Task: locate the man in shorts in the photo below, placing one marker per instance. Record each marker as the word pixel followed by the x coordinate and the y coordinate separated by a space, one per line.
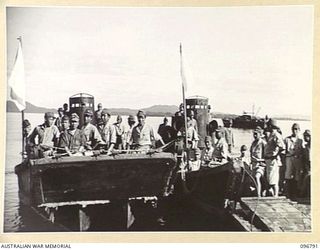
pixel 257 158
pixel 273 148
pixel 293 161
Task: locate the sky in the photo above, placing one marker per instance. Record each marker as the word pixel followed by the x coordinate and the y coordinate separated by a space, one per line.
pixel 129 57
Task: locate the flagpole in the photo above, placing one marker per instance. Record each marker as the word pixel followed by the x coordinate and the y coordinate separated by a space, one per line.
pixel 184 108
pixel 22 115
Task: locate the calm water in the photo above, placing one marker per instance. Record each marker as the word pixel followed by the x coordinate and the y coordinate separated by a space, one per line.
pixel 19 218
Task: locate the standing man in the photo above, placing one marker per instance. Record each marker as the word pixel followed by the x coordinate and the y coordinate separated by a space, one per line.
pixel 91 133
pixel 45 136
pixel 180 112
pixel 165 131
pixel 220 152
pixel 228 134
pixel 72 139
pixel 257 158
pixel 59 118
pixel 273 149
pixel 106 127
pixel 97 113
pixel 305 189
pixel 207 152
pixel 193 121
pixel 143 137
pixel 293 161
pixel 192 134
pixel 128 133
pixel 120 130
pixel 65 109
pixel 26 126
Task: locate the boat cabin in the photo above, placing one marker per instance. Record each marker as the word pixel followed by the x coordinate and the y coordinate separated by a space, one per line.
pixel 79 103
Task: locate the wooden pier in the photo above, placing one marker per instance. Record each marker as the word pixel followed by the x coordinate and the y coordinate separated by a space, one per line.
pixel 270 214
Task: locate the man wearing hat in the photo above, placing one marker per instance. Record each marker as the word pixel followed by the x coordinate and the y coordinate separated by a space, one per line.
pixel 305 189
pixel 192 134
pixel 207 152
pixel 105 127
pixel 257 158
pixel 97 113
pixel 72 139
pixel 193 121
pixel 220 152
pixel 128 132
pixel 228 133
pixel 66 109
pixel 120 133
pixel 91 133
pixel 46 135
pixel 165 131
pixel 59 118
pixel 293 160
pixel 273 149
pixel 143 137
pixel 26 127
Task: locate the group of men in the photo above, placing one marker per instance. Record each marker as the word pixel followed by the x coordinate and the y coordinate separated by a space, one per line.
pixel 284 164
pixel 280 164
pixel 64 135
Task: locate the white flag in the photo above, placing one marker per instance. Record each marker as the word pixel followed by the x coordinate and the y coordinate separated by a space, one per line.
pixel 183 76
pixel 17 91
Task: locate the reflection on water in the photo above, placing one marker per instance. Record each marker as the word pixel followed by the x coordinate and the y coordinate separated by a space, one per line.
pixel 18 217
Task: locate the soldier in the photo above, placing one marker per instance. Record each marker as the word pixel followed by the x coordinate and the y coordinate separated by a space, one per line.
pixel 45 136
pixel 26 126
pixel 106 128
pixel 305 189
pixel 229 135
pixel 59 118
pixel 91 133
pixel 293 161
pixel 273 149
pixel 192 135
pixel 180 112
pixel 65 123
pixel 97 113
pixel 72 139
pixel 194 121
pixel 65 109
pixel 143 137
pixel 165 131
pixel 120 130
pixel 207 152
pixel 128 133
pixel 257 159
pixel 220 152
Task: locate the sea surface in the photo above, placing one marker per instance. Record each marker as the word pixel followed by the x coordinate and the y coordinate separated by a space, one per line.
pixel 18 218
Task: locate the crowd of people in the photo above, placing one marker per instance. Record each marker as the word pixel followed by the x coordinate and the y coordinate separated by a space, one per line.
pixel 64 135
pixel 279 165
pixel 276 164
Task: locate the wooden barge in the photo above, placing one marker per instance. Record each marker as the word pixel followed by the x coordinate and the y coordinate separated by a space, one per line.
pixel 83 181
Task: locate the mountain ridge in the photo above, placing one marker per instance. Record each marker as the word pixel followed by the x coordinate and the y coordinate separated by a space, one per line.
pixel 154 110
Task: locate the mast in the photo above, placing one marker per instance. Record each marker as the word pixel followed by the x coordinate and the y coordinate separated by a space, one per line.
pixel 22 116
pixel 183 80
pixel 16 84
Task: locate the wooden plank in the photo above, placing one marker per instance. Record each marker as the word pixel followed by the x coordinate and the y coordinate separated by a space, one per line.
pixel 84 220
pixel 282 216
pixel 103 180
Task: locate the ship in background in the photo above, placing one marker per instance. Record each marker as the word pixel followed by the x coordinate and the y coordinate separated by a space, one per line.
pixel 248 120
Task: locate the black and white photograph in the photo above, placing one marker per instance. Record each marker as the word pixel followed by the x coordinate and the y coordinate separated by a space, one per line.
pixel 159 119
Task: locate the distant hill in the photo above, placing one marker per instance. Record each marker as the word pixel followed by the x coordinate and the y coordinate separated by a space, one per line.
pixel 293 117
pixel 155 110
pixel 11 107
